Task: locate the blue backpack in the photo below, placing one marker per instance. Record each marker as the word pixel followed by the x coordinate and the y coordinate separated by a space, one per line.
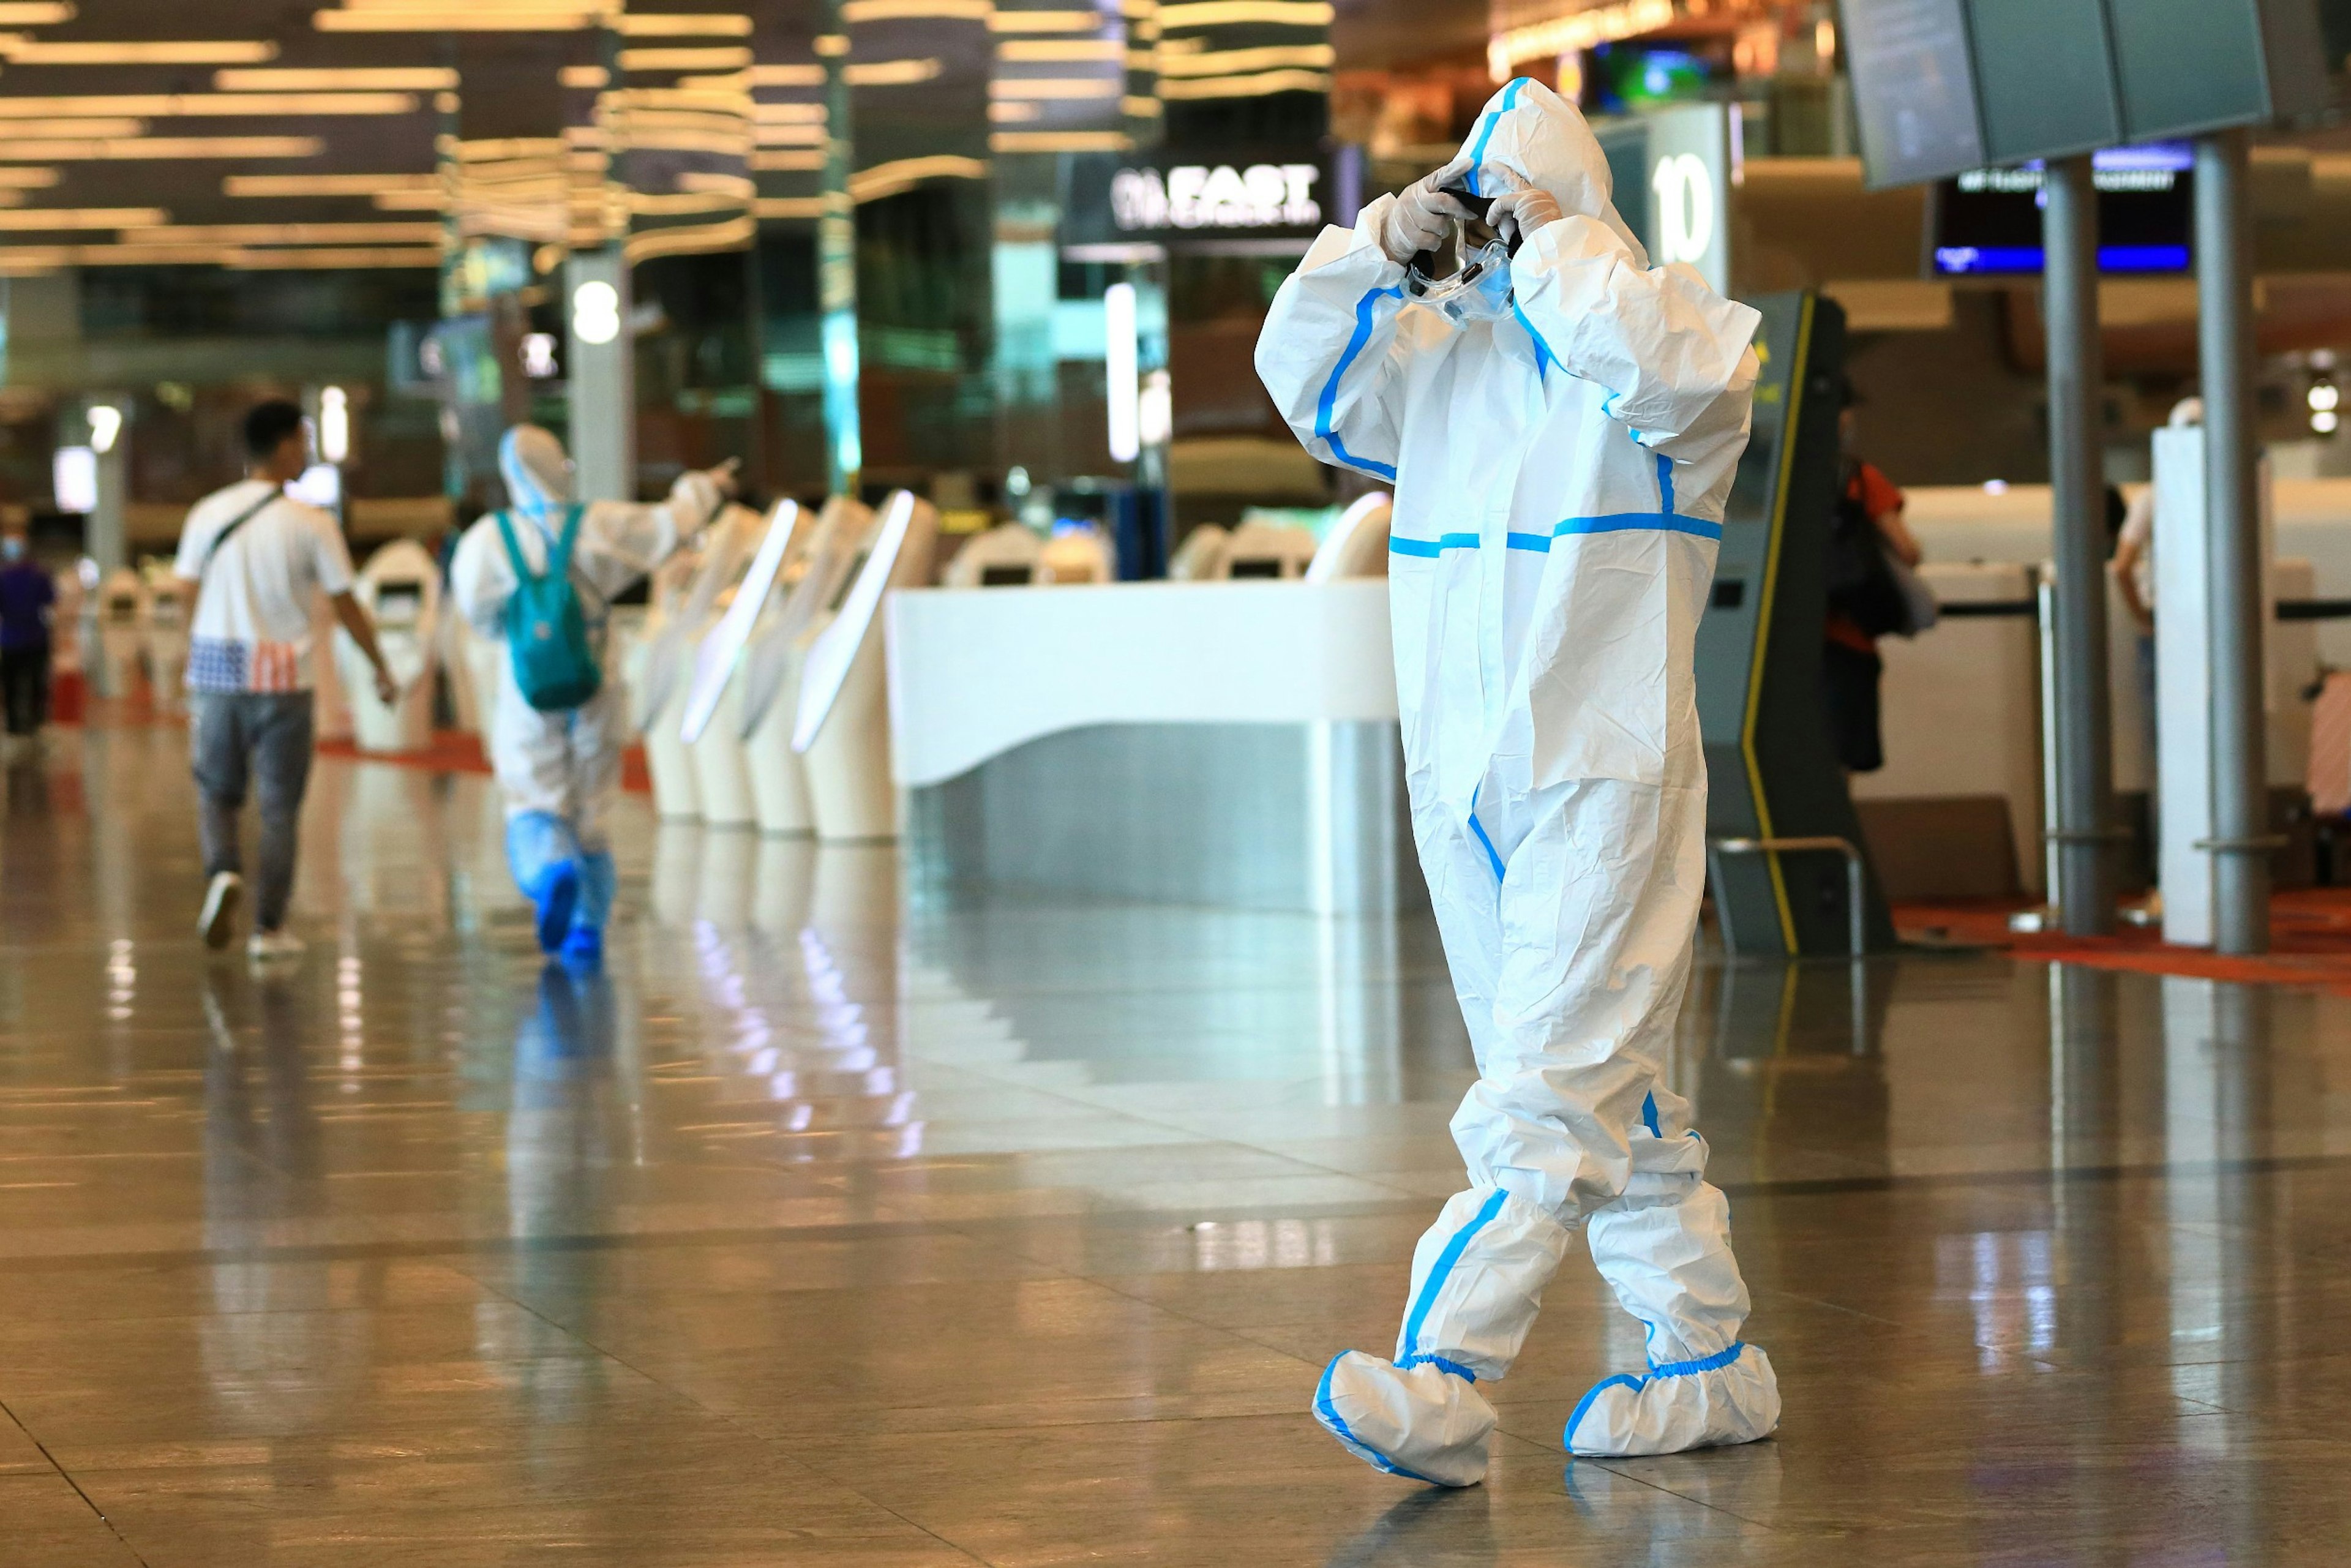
pixel 555 665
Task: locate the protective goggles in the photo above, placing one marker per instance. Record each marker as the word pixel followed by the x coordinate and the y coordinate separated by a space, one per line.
pixel 1479 289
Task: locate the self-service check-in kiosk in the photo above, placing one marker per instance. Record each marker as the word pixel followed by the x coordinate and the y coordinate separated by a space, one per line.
pixel 1268 550
pixel 1357 544
pixel 167 636
pixel 121 631
pixel 711 726
pixel 722 777
pixel 400 588
pixel 1201 556
pixel 842 730
pixel 775 655
pixel 1785 850
pixel 1076 557
pixel 1005 556
pixel 672 634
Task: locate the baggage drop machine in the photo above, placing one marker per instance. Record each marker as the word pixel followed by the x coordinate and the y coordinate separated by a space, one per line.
pixel 1790 875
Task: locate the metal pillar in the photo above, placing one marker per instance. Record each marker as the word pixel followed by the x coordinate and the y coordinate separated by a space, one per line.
pixel 2242 843
pixel 2083 832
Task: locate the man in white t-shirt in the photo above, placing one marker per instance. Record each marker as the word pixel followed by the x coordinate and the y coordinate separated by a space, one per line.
pixel 256 560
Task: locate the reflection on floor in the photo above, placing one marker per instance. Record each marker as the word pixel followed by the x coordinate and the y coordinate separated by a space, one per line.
pixel 821 1231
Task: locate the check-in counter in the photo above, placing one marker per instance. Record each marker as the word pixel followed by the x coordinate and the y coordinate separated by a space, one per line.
pixel 1216 743
pixel 1955 811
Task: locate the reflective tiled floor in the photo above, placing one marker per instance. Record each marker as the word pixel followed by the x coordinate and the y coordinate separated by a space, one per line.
pixel 825 1230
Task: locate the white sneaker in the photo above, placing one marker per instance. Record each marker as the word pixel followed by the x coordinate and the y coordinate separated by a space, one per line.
pixel 216 923
pixel 264 947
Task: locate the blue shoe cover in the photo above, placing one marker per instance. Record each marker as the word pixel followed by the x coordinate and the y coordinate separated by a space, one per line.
pixel 556 895
pixel 583 949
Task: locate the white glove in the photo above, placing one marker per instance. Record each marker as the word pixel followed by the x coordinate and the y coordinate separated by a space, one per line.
pixel 1520 211
pixel 1422 215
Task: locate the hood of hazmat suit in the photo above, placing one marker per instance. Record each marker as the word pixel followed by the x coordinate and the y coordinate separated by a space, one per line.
pixel 1561 473
pixel 537 470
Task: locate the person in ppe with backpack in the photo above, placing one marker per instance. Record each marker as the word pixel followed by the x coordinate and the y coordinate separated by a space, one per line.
pixel 539 579
pixel 1562 423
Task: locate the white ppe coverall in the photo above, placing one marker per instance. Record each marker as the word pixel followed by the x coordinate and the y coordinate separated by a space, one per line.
pixel 559 770
pixel 1560 470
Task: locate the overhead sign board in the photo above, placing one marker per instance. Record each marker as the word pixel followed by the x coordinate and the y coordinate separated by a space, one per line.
pixel 1941 86
pixel 1914 88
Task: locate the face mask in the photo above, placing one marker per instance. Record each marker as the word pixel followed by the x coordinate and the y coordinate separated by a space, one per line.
pixel 1480 291
pixel 12 549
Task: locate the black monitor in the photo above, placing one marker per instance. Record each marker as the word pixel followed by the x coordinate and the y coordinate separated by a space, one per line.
pixel 1987 221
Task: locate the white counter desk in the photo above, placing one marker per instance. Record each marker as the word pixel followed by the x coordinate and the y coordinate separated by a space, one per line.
pixel 1228 743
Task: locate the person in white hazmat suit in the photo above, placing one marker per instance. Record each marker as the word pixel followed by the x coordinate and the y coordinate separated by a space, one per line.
pixel 558 771
pixel 1562 436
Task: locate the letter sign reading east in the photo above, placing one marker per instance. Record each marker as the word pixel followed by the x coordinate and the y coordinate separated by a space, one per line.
pixel 1202 196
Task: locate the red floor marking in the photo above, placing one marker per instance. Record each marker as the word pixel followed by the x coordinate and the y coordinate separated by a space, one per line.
pixel 2310 938
pixel 452 750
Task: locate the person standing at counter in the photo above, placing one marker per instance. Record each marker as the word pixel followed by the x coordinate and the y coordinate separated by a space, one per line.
pixel 1561 428
pixel 539 580
pixel 1867 601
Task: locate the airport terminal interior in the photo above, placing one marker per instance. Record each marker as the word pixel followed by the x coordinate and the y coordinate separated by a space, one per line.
pixel 903 1004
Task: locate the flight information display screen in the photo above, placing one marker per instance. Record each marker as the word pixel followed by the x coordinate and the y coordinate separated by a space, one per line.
pixel 1914 88
pixel 1988 221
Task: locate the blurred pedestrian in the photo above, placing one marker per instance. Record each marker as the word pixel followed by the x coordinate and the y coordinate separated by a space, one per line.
pixel 28 597
pixel 1865 599
pixel 255 559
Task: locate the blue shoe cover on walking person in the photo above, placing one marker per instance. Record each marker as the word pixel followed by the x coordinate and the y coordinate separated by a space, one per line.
pixel 1423 1423
pixel 1730 1396
pixel 1476 1279
pixel 556 896
pixel 544 855
pixel 599 881
pixel 583 950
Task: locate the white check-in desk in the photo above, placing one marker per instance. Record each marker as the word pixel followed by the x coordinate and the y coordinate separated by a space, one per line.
pixel 1212 743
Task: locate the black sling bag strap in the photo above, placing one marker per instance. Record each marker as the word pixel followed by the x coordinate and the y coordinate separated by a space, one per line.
pixel 242 518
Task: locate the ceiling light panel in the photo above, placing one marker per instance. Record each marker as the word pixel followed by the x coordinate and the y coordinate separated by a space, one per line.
pixel 82 217
pixel 23 51
pixel 649 25
pixel 286 234
pixel 142 148
pixel 684 60
pixel 511 16
pixel 1044 21
pixel 356 79
pixel 167 105
pixel 320 184
pixel 1060 50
